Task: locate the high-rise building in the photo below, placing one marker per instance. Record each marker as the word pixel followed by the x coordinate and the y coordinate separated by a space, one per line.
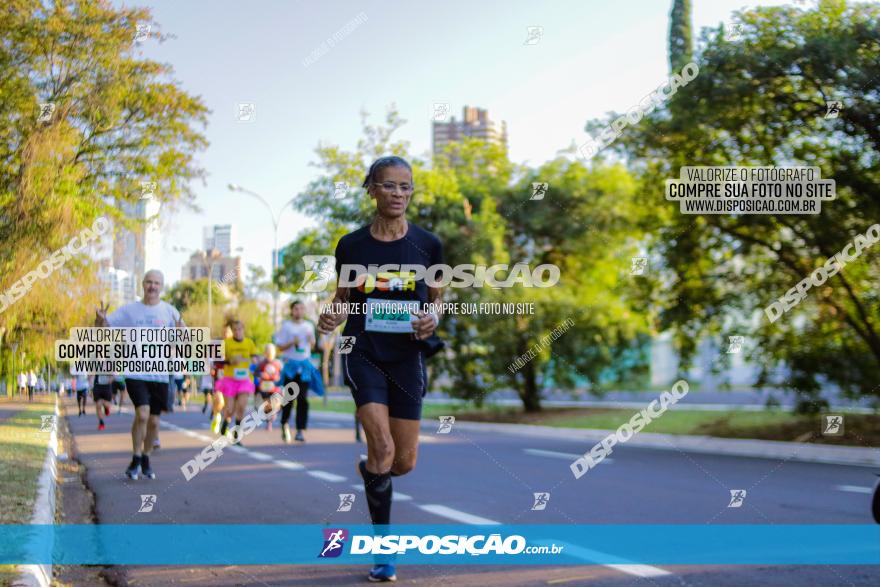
pixel 223 268
pixel 218 236
pixel 139 250
pixel 118 286
pixel 475 123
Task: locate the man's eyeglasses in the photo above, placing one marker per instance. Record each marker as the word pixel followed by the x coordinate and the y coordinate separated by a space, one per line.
pixel 391 187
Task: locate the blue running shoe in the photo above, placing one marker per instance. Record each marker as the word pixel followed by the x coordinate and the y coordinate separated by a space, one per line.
pixel 382 573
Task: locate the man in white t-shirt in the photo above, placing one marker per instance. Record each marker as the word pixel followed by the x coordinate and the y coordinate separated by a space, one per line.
pixel 32 385
pixel 22 383
pixel 295 341
pixel 148 391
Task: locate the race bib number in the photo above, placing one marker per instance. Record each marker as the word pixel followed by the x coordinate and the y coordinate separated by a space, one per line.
pixel 390 315
pixel 240 374
pixel 267 386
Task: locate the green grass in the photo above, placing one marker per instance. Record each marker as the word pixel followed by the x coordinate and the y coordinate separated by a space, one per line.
pixel 769 424
pixel 22 451
pixel 428 410
pixel 673 421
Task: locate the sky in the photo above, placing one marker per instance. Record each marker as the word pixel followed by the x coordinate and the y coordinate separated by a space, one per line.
pixel 593 57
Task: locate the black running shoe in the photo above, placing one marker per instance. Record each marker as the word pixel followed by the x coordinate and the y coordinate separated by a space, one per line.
pixel 146 469
pixel 134 468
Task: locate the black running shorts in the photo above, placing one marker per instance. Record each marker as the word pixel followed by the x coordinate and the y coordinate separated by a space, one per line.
pixel 102 391
pixel 152 393
pixel 400 385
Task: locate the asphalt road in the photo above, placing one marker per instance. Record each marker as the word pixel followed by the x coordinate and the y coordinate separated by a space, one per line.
pixel 464 477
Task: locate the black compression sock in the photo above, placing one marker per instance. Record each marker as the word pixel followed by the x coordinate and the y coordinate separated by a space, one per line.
pixel 379 492
pixel 223 427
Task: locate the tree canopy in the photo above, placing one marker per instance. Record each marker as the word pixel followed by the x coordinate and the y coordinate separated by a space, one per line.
pixel 761 100
pixel 115 120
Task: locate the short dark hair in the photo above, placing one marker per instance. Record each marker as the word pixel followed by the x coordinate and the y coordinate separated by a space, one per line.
pixel 294 303
pixel 382 163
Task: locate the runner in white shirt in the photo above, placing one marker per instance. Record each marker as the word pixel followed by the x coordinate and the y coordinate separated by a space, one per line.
pixel 22 384
pixel 81 386
pixel 295 340
pixel 148 391
pixel 32 385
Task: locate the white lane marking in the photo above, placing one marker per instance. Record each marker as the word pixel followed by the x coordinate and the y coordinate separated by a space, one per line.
pixel 623 566
pixel 289 465
pixel 640 570
pixel 854 489
pixel 397 496
pixel 634 569
pixel 187 432
pixel 236 448
pixel 457 515
pixel 332 477
pixel 260 456
pixel 558 455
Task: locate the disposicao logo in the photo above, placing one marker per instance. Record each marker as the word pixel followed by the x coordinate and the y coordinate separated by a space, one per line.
pixel 334 541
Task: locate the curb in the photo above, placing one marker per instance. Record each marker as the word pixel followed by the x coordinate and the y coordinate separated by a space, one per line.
pixel 740 447
pixel 632 404
pixel 40 575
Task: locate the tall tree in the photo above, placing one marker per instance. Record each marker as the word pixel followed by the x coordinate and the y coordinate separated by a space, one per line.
pixel 680 35
pixel 114 120
pixel 762 101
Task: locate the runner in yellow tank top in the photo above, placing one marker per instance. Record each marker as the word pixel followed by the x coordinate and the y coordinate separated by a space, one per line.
pixel 237 384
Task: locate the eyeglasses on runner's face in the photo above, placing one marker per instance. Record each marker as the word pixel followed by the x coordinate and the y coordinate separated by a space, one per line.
pixel 391 187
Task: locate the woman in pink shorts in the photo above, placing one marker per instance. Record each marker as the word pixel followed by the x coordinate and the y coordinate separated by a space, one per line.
pixel 237 383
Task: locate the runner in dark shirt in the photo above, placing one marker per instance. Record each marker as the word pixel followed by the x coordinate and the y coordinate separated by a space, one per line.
pixel 385 370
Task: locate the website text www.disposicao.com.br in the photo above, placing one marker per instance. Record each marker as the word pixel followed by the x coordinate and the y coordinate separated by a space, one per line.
pixel 452 544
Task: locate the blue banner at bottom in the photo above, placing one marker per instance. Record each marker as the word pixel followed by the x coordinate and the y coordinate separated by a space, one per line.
pixel 160 544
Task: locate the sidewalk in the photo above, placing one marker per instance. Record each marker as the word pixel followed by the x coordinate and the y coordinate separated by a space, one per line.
pixel 764 449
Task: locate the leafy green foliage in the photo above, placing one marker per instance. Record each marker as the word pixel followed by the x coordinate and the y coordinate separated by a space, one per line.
pixel 119 120
pixel 756 102
pixel 680 41
pixel 478 203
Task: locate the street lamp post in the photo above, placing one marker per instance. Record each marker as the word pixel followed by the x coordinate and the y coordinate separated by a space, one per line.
pixel 275 218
